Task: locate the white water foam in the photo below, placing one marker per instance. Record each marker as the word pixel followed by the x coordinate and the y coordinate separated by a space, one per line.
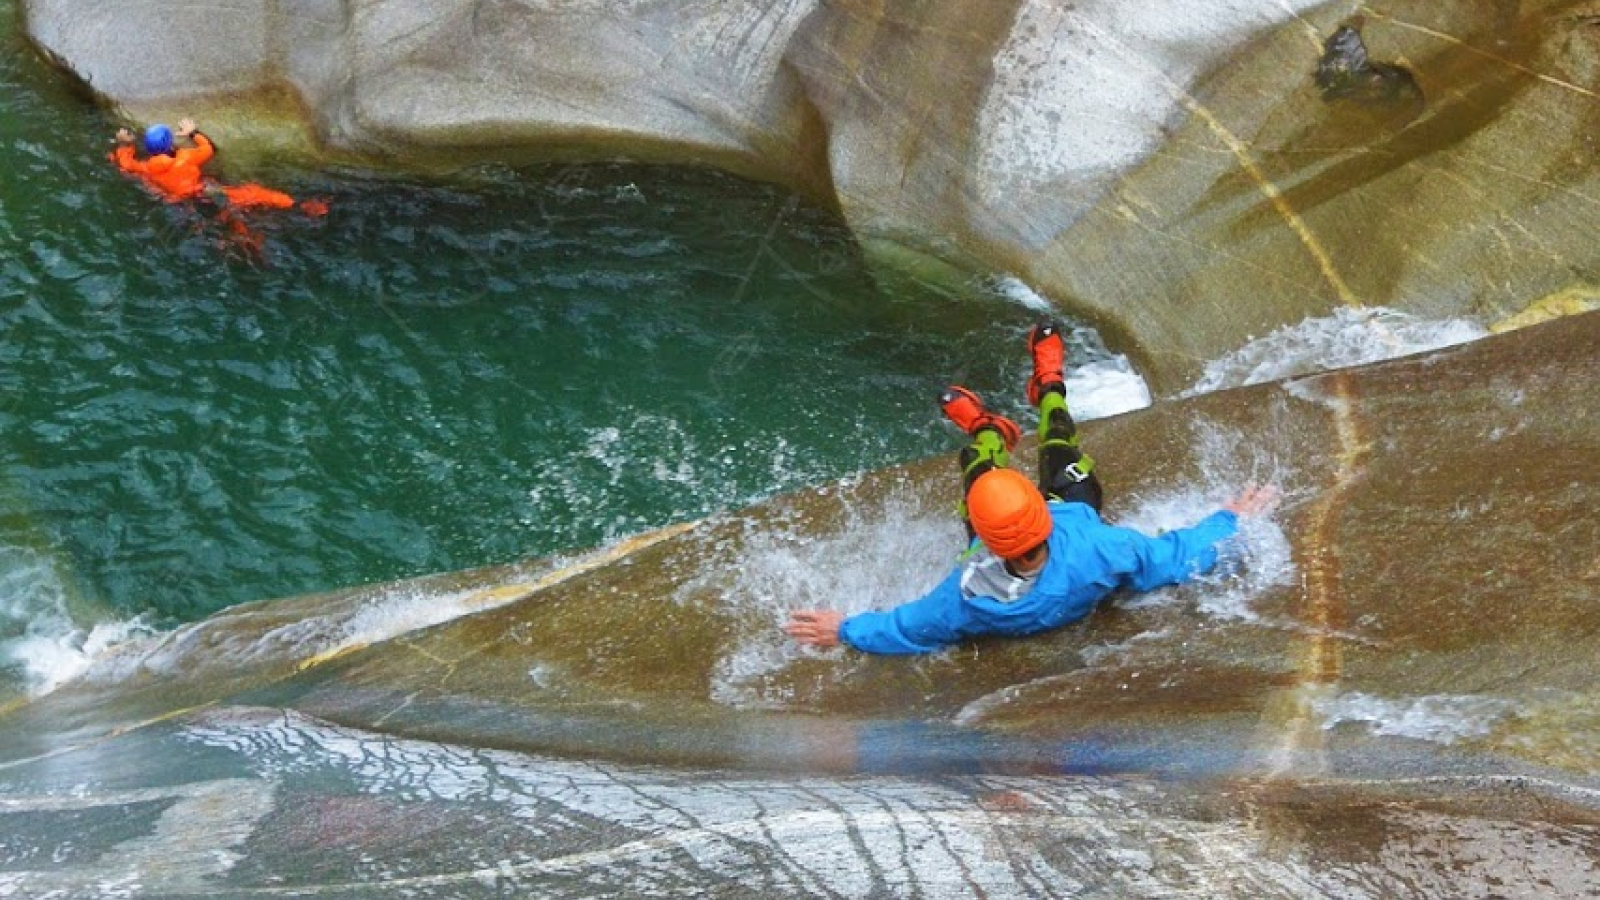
pixel 1259 557
pixel 1255 560
pixel 355 619
pixel 1442 719
pixel 1017 291
pixel 358 620
pixel 1349 337
pixel 1099 383
pixel 649 453
pixel 44 646
pixel 883 555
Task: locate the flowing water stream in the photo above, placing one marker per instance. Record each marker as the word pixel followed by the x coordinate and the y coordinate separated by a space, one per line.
pixel 507 364
pixel 439 374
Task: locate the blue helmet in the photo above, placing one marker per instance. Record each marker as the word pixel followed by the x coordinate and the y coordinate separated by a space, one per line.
pixel 158 140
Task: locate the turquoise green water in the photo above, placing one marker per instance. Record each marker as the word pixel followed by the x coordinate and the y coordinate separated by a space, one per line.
pixel 437 375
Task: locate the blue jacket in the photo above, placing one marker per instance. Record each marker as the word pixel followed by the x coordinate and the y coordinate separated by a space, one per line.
pixel 1088 560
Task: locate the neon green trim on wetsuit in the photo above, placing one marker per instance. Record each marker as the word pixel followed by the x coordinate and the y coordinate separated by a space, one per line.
pixel 1049 404
pixel 988 447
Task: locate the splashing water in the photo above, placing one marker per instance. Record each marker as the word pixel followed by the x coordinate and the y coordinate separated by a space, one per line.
pixel 1442 719
pixel 39 640
pixel 1259 557
pixel 1099 383
pixel 847 571
pixel 884 554
pixel 1256 559
pixel 1349 337
pixel 340 624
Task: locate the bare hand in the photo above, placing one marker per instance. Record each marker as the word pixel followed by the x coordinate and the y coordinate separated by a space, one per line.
pixel 124 136
pixel 1257 500
pixel 185 128
pixel 815 627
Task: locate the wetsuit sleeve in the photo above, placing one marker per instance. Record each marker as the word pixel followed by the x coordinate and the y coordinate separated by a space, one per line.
pixel 1175 556
pixel 200 153
pixel 125 159
pixel 935 620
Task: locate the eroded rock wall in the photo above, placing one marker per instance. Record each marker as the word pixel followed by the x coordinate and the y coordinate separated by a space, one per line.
pixel 1170 169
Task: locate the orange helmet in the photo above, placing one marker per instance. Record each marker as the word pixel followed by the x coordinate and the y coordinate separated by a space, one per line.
pixel 1007 512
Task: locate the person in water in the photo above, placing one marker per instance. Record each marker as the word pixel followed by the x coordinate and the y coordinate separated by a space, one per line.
pixel 1038 556
pixel 177 173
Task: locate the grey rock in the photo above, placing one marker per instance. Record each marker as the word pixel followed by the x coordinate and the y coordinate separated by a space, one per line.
pixel 1167 170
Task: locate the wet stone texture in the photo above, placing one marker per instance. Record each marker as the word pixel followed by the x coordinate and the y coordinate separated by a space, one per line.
pixel 1405 708
pixel 1408 505
pixel 358 814
pixel 1392 696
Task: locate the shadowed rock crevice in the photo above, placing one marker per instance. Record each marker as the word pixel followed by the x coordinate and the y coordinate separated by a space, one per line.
pixel 1345 72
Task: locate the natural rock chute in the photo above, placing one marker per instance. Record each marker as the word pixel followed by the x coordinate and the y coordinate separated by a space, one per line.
pixel 1337 741
pixel 570 659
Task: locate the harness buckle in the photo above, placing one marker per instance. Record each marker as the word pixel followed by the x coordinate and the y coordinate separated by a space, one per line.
pixel 1074 471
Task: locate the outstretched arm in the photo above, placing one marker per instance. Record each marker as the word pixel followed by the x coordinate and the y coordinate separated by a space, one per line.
pixel 202 151
pixel 931 622
pixel 1185 552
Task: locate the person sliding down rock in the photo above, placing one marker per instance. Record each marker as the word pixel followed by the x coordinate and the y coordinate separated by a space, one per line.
pixel 1038 556
pixel 176 173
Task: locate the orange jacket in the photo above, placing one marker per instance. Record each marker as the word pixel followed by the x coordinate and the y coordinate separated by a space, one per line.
pixel 174 177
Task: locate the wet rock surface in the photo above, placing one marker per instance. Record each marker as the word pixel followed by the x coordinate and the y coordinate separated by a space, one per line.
pixel 288 805
pixel 588 733
pixel 1346 73
pixel 1392 695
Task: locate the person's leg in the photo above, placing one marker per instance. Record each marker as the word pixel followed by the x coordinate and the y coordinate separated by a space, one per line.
pixel 992 439
pixel 1065 471
pixel 248 195
pixel 986 451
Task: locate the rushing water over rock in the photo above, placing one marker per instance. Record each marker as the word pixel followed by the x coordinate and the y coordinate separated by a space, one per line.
pixel 440 374
pixel 630 722
pixel 1387 690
